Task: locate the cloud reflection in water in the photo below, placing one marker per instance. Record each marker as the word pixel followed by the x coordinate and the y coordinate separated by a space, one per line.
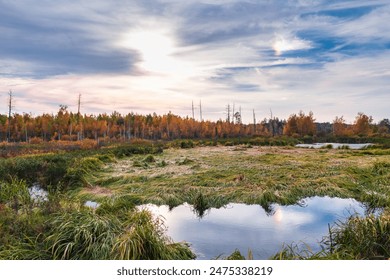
pixel 243 227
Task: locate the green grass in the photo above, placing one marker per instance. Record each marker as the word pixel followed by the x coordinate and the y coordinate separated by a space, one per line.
pixel 15 195
pixel 116 230
pixel 61 227
pixel 358 238
pixel 145 239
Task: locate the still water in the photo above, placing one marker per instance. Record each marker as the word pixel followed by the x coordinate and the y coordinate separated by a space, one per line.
pixel 239 226
pixel 37 193
pixel 335 146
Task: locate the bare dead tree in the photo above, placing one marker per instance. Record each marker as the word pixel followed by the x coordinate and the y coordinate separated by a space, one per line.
pixel 228 113
pixel 254 122
pixel 233 112
pixel 193 113
pixel 9 115
pixel 80 132
pixel 200 110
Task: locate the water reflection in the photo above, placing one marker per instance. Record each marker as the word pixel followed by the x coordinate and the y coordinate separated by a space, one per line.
pixel 37 193
pixel 91 204
pixel 243 227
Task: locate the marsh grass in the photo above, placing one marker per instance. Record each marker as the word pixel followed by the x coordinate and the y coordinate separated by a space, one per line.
pixel 46 169
pixel 15 194
pixel 145 239
pixel 204 177
pixel 149 159
pixel 237 256
pixel 360 238
pixel 199 204
pixel 298 251
pixel 28 249
pixel 115 230
pixel 185 161
pixel 82 235
pixel 118 205
pixel 268 175
pixel 69 168
pixel 22 233
pixel 79 172
pixel 357 238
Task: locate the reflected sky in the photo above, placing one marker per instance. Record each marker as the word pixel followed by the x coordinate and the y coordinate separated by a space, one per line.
pixel 37 193
pixel 243 227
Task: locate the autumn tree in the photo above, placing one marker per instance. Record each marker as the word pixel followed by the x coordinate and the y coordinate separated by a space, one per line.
pixel 300 125
pixel 66 125
pixel 339 126
pixel 384 126
pixel 62 122
pixel 3 127
pixel 44 126
pixel 362 125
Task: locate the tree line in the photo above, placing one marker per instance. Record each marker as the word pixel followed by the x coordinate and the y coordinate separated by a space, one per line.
pixel 68 126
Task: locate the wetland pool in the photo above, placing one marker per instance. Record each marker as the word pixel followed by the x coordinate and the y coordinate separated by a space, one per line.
pixel 249 227
pixel 335 146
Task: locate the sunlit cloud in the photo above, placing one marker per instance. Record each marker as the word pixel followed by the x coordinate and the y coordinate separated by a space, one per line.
pixel 287 43
pixel 155 49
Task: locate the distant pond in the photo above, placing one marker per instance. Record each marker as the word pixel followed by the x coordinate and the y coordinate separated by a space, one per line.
pixel 240 226
pixel 335 146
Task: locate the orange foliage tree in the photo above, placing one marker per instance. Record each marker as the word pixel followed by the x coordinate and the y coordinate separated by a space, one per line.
pixel 340 127
pixel 300 125
pixel 362 125
pixel 65 125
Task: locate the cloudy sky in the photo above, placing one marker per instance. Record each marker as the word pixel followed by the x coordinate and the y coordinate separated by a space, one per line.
pixel 329 57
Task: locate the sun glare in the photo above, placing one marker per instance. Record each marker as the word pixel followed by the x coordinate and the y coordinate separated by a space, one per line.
pixel 280 45
pixel 278 216
pixel 283 44
pixel 156 50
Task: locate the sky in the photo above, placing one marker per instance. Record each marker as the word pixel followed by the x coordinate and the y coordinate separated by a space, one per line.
pixel 271 57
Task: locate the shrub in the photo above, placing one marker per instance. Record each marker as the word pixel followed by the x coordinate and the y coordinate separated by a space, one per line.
pixel 149 159
pixel 200 204
pixel 36 140
pixel 186 144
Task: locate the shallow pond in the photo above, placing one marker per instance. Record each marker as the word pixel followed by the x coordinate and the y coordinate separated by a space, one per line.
pixel 243 227
pixel 91 204
pixel 335 146
pixel 37 193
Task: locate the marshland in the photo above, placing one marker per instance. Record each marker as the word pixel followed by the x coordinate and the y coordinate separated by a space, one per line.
pixel 125 182
pixel 169 130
